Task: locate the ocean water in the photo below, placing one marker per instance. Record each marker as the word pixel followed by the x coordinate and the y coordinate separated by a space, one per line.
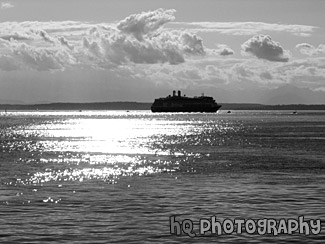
pixel 118 176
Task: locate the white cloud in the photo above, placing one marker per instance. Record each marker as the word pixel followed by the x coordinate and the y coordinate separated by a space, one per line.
pixel 263 47
pixel 6 5
pixel 118 48
pixel 310 50
pixel 192 44
pixel 224 50
pixel 142 24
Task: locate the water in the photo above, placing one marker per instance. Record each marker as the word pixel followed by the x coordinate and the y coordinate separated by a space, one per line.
pixel 116 176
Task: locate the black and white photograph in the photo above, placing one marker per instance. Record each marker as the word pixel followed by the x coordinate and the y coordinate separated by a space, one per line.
pixel 162 121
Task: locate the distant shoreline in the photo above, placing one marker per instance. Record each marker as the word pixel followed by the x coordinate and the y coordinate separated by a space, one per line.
pixel 146 106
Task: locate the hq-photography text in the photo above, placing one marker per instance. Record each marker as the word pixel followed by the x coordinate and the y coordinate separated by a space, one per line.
pixel 265 226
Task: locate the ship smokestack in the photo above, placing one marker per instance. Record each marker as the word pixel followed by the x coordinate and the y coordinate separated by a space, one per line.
pixel 174 93
pixel 179 93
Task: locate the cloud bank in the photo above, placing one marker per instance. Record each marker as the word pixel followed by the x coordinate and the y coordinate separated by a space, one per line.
pixel 263 47
pixel 138 39
pixel 140 55
pixel 245 28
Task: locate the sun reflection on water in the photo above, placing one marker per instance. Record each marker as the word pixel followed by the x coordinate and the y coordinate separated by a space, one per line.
pixel 113 135
pixel 72 146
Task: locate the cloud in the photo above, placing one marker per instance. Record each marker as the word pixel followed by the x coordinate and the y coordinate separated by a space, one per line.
pixel 224 50
pixel 263 47
pixel 139 25
pixel 138 39
pixel 6 5
pixel 242 73
pixel 192 44
pixel 117 48
pixel 30 30
pixel 304 72
pixel 165 47
pixel 35 50
pixel 310 50
pixel 59 40
pixel 244 28
pixel 23 56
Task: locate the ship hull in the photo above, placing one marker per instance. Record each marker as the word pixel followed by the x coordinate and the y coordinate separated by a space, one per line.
pixel 190 109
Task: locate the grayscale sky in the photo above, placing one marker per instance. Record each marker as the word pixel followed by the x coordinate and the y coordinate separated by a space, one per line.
pixel 137 50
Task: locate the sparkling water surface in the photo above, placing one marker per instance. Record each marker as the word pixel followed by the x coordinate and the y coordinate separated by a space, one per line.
pixel 117 176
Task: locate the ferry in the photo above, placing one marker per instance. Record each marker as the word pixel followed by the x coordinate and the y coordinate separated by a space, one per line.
pixel 178 103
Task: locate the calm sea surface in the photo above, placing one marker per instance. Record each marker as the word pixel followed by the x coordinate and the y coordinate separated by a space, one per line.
pixel 117 176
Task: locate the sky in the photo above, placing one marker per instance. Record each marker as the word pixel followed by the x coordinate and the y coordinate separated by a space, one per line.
pixel 245 51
